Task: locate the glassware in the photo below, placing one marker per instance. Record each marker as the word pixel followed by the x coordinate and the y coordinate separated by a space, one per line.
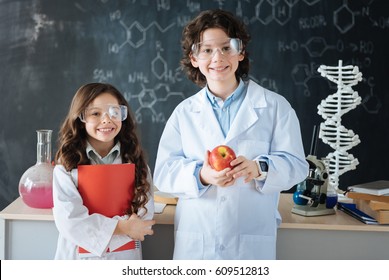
pixel 332 194
pixel 36 184
pixel 300 189
pixel 332 197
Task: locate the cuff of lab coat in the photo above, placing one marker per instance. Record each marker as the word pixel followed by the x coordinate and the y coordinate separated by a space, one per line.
pixel 197 175
pixel 118 241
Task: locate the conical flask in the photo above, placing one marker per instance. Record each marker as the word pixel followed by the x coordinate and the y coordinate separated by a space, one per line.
pixel 36 184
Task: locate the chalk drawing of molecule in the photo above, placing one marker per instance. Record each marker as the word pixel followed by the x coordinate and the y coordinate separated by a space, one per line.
pixel 148 99
pixel 331 109
pixel 136 35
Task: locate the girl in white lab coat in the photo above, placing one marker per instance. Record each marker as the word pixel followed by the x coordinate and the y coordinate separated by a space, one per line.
pixel 99 130
pixel 232 213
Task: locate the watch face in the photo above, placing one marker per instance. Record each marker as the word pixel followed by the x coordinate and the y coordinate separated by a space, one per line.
pixel 264 166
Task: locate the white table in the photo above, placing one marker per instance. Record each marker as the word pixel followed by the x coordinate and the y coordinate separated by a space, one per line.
pixel 28 233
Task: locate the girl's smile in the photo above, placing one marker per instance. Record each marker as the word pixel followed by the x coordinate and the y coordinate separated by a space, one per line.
pixel 101 135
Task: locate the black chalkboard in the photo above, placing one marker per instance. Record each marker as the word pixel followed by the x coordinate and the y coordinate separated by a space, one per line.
pixel 50 48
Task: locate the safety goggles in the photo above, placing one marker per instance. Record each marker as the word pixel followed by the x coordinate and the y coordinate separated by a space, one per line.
pixel 207 49
pixel 96 114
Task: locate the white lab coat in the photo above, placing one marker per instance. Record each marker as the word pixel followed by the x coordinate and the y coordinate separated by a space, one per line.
pixel 92 232
pixel 240 221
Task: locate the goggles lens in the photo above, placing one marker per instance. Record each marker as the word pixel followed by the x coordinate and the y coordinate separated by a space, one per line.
pixel 207 49
pixel 96 114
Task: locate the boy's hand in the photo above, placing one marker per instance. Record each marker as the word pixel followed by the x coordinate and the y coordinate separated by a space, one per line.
pixel 210 176
pixel 243 168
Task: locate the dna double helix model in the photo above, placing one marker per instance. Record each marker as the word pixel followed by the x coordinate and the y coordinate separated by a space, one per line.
pixel 332 132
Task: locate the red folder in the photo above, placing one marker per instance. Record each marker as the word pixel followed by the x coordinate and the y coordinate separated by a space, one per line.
pixel 107 189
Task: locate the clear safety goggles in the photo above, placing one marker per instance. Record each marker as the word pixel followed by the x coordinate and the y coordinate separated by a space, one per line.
pixel 207 49
pixel 97 114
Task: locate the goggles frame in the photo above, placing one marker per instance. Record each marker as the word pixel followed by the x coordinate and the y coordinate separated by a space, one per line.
pixel 235 45
pixel 112 110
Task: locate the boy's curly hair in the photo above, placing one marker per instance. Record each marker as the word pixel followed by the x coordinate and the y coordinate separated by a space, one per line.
pixel 192 33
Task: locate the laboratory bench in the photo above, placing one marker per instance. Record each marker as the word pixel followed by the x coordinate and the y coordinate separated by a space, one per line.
pixel 29 233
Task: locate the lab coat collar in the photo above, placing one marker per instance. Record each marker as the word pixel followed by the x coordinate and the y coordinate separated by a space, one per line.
pixel 247 115
pixel 255 98
pixel 255 94
pixel 206 118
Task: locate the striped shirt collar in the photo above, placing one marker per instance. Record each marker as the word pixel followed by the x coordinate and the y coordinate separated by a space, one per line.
pixel 95 158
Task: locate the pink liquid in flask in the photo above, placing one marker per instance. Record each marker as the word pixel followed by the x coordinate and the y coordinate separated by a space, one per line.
pixel 40 196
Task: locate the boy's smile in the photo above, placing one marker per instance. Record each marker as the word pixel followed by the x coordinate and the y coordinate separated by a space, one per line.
pixel 219 70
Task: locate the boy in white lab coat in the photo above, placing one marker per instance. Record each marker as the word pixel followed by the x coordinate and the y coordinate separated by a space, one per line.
pixel 232 213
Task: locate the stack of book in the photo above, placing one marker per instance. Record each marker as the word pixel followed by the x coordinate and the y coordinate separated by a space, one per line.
pixel 372 199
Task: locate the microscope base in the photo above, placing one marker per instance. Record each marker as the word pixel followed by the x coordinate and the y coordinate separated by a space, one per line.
pixel 308 211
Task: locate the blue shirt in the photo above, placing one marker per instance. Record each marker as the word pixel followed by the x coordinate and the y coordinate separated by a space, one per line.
pixel 225 112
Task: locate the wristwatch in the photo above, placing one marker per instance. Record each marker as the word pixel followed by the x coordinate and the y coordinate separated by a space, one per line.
pixel 262 168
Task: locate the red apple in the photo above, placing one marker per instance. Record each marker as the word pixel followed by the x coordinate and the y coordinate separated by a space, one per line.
pixel 220 157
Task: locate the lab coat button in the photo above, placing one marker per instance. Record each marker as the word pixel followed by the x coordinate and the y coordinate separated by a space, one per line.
pixel 221 247
pixel 223 198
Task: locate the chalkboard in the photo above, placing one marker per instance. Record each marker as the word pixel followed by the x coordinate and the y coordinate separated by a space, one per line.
pixel 49 48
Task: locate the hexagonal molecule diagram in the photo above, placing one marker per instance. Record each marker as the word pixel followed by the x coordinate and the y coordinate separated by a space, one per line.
pixel 148 99
pixel 344 18
pixel 136 34
pixel 331 109
pixel 267 10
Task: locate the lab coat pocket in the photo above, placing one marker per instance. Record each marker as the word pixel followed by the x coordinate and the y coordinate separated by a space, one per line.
pixel 257 247
pixel 188 245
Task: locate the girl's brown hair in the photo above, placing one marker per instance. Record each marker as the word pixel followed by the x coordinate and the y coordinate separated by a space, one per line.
pixel 192 34
pixel 72 141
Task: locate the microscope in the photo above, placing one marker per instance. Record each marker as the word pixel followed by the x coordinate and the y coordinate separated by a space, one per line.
pixel 311 197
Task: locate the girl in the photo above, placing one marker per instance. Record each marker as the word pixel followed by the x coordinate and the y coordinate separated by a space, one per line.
pixel 232 213
pixel 99 130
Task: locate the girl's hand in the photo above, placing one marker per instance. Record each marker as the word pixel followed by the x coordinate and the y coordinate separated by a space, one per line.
pixel 135 227
pixel 210 176
pixel 244 168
